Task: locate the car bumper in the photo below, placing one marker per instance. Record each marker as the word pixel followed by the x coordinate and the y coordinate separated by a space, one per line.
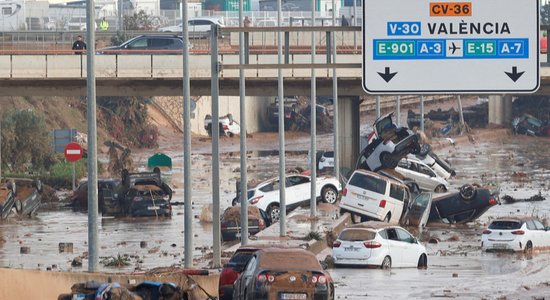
pixel 373 260
pixel 490 246
pixel 375 216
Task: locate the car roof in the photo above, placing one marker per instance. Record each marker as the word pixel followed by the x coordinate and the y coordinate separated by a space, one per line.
pixel 376 225
pixel 283 258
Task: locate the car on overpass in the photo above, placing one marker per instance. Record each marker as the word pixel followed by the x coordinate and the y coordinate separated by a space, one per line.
pixel 147 44
pixel 198 27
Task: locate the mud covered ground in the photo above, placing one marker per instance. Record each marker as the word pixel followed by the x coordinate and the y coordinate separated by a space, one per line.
pixel 457 268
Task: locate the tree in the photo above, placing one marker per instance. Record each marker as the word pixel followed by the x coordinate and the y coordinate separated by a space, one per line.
pixel 26 142
pixel 138 21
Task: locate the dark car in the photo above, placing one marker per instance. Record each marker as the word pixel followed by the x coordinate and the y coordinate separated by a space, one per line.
pixel 291 108
pixel 258 220
pixel 529 125
pixel 25 195
pixel 275 273
pixel 144 194
pixel 232 269
pixel 7 198
pixel 106 188
pixel 147 44
pixel 466 205
pixel 388 144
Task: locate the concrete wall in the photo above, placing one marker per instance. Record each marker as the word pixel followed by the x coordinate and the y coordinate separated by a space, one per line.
pixel 256 111
pixel 349 117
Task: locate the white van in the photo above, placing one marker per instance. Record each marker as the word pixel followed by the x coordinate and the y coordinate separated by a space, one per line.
pixel 374 197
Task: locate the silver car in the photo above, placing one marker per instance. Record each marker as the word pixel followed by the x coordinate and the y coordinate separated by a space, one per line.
pixel 420 172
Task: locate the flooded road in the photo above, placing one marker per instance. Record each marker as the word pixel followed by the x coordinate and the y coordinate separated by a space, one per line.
pixel 458 269
pixel 477 274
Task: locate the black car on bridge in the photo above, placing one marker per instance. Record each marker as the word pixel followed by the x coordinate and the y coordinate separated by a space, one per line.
pixel 147 44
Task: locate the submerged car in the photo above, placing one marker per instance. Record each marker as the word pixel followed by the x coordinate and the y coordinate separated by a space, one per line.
pixel 7 198
pixel 232 269
pixel 377 244
pixel 228 126
pixel 106 203
pixel 231 230
pixel 275 273
pixel 144 194
pixel 20 197
pixel 529 125
pixel 388 144
pixel 466 205
pixel 426 177
pixel 516 234
pixel 298 192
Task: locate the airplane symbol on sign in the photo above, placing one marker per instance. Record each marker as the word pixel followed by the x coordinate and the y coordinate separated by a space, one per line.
pixel 453 48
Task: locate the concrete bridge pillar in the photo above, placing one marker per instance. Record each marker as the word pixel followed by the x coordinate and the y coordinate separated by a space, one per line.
pixel 500 109
pixel 348 128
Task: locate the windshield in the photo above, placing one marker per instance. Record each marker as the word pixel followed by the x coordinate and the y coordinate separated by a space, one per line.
pixel 356 235
pixel 368 182
pixel 505 225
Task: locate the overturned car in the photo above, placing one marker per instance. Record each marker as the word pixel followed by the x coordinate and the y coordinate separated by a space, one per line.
pixel 141 195
pixel 388 144
pixel 465 205
pixel 20 197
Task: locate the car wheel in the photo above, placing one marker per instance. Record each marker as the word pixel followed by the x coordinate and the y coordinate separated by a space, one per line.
pixel 387 218
pixel 235 202
pixel 425 149
pixel 423 262
pixel 329 195
pixel 274 212
pixel 18 206
pixel 230 134
pixel 387 161
pixel 38 185
pixel 528 248
pixel 467 192
pixel 440 189
pixel 386 263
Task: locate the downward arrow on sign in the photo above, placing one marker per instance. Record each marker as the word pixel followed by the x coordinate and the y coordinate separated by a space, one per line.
pixel 514 75
pixel 387 76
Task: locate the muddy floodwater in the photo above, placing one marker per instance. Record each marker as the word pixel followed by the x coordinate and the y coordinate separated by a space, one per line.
pixel 519 165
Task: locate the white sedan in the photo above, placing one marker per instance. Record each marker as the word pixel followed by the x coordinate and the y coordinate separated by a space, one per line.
pixel 377 244
pixel 298 193
pixel 516 234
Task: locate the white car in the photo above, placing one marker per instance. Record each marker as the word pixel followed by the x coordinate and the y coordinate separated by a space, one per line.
pixel 427 179
pixel 228 126
pixel 198 27
pixel 374 197
pixel 387 145
pixel 380 245
pixel 516 234
pixel 298 192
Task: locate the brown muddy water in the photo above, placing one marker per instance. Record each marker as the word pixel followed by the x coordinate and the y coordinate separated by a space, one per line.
pixel 484 162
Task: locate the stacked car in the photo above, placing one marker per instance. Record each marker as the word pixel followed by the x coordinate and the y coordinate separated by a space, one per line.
pixel 391 171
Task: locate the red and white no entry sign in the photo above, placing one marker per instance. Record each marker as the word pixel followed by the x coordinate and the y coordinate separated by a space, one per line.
pixel 73 152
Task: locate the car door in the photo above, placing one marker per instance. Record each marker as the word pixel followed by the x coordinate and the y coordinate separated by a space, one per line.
pixel 407 245
pixel 542 234
pixel 395 247
pixel 137 46
pixel 246 279
pixel 298 190
pixel 427 177
pixel 271 194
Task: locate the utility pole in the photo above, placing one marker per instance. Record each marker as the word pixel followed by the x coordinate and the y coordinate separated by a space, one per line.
pixel 93 243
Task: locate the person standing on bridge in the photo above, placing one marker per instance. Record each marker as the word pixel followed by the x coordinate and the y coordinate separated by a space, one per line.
pixel 344 21
pixel 104 25
pixel 79 45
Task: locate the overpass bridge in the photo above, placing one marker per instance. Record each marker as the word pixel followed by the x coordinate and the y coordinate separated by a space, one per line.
pixel 60 72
